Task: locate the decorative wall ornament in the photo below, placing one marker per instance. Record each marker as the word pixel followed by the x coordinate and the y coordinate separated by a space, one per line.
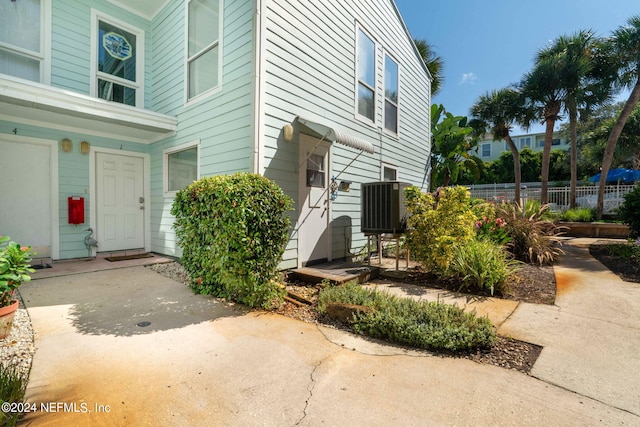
pixel 84 147
pixel 287 132
pixel 117 46
pixel 67 145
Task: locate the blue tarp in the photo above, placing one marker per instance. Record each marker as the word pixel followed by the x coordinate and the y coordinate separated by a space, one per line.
pixel 624 176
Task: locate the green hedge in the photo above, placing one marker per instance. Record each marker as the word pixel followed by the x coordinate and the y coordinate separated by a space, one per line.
pixel 233 230
pixel 422 324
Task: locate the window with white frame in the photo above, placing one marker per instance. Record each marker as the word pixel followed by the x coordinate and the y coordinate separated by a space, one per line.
pixel 180 167
pixel 391 89
pixel 118 61
pixel 525 142
pixel 366 72
pixel 486 150
pixel 22 38
pixel 389 173
pixel 203 46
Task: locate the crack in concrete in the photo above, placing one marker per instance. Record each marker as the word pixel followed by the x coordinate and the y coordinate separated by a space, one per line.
pixel 585 396
pixel 312 385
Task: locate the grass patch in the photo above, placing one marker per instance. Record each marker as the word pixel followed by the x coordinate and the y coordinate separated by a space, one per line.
pixel 577 215
pixel 421 324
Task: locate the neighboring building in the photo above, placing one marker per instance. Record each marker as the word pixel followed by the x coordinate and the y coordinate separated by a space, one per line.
pixel 114 106
pixel 489 150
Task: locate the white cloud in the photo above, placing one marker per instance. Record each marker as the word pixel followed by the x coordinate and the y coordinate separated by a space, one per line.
pixel 468 78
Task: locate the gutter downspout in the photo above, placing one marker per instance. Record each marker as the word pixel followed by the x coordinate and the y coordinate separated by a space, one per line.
pixel 259 87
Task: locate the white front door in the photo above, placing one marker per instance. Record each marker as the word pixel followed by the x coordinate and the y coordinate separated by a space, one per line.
pixel 25 194
pixel 119 202
pixel 313 213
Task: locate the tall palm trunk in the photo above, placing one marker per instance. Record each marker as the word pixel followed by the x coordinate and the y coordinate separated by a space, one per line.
pixel 550 122
pixel 610 149
pixel 573 125
pixel 516 165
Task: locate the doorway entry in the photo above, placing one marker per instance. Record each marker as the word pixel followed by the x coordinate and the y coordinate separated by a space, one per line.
pixel 314 237
pixel 120 202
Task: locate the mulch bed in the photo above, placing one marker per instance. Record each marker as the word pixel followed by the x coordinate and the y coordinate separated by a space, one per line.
pixel 532 284
pixel 627 270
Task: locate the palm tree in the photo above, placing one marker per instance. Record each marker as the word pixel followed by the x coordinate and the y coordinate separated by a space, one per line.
pixel 544 92
pixel 434 63
pixel 498 111
pixel 625 47
pixel 574 52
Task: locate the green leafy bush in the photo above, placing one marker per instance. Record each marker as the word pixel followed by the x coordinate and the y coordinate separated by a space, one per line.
pixel 13 386
pixel 233 230
pixel 481 265
pixel 438 223
pixel 422 324
pixel 629 211
pixel 627 251
pixel 578 215
pixel 534 239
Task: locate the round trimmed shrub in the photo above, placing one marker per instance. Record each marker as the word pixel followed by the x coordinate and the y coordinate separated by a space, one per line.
pixel 233 230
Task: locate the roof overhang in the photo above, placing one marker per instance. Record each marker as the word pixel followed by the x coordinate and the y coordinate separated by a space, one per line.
pixel 29 103
pixel 332 133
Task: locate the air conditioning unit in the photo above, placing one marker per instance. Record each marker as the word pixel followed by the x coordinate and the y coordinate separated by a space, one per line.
pixel 383 207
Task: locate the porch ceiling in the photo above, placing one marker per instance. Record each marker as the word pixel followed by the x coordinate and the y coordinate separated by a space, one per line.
pixel 24 102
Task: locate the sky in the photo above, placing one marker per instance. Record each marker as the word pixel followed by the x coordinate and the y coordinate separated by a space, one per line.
pixel 490 44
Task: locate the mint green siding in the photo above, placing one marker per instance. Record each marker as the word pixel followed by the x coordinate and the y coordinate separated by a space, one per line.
pixel 71 42
pixel 222 122
pixel 280 59
pixel 310 71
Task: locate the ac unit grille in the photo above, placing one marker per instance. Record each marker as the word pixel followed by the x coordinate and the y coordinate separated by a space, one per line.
pixel 383 207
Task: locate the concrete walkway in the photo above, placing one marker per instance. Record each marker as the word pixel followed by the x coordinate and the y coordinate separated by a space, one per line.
pixel 204 362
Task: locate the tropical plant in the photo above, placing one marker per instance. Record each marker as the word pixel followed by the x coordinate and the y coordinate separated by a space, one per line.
pixel 434 63
pixel 422 324
pixel 493 229
pixel 481 264
pixel 15 267
pixel 629 211
pixel 625 48
pixel 437 223
pixel 585 83
pixel 450 145
pixel 497 112
pixel 233 230
pixel 544 92
pixel 534 238
pixel 594 139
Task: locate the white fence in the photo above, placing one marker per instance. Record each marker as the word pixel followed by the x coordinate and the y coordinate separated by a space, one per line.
pixel 586 196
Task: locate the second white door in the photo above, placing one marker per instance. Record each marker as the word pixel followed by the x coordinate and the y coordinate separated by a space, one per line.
pixel 119 202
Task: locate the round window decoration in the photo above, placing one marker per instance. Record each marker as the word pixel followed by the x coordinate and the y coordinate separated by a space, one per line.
pixel 117 46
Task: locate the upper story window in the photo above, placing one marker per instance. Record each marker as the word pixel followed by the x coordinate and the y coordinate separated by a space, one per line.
pixel 525 142
pixel 22 38
pixel 118 61
pixel 203 46
pixel 366 72
pixel 486 150
pixel 390 94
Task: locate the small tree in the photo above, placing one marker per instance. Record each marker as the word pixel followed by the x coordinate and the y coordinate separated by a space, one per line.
pixel 233 230
pixel 450 145
pixel 437 224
